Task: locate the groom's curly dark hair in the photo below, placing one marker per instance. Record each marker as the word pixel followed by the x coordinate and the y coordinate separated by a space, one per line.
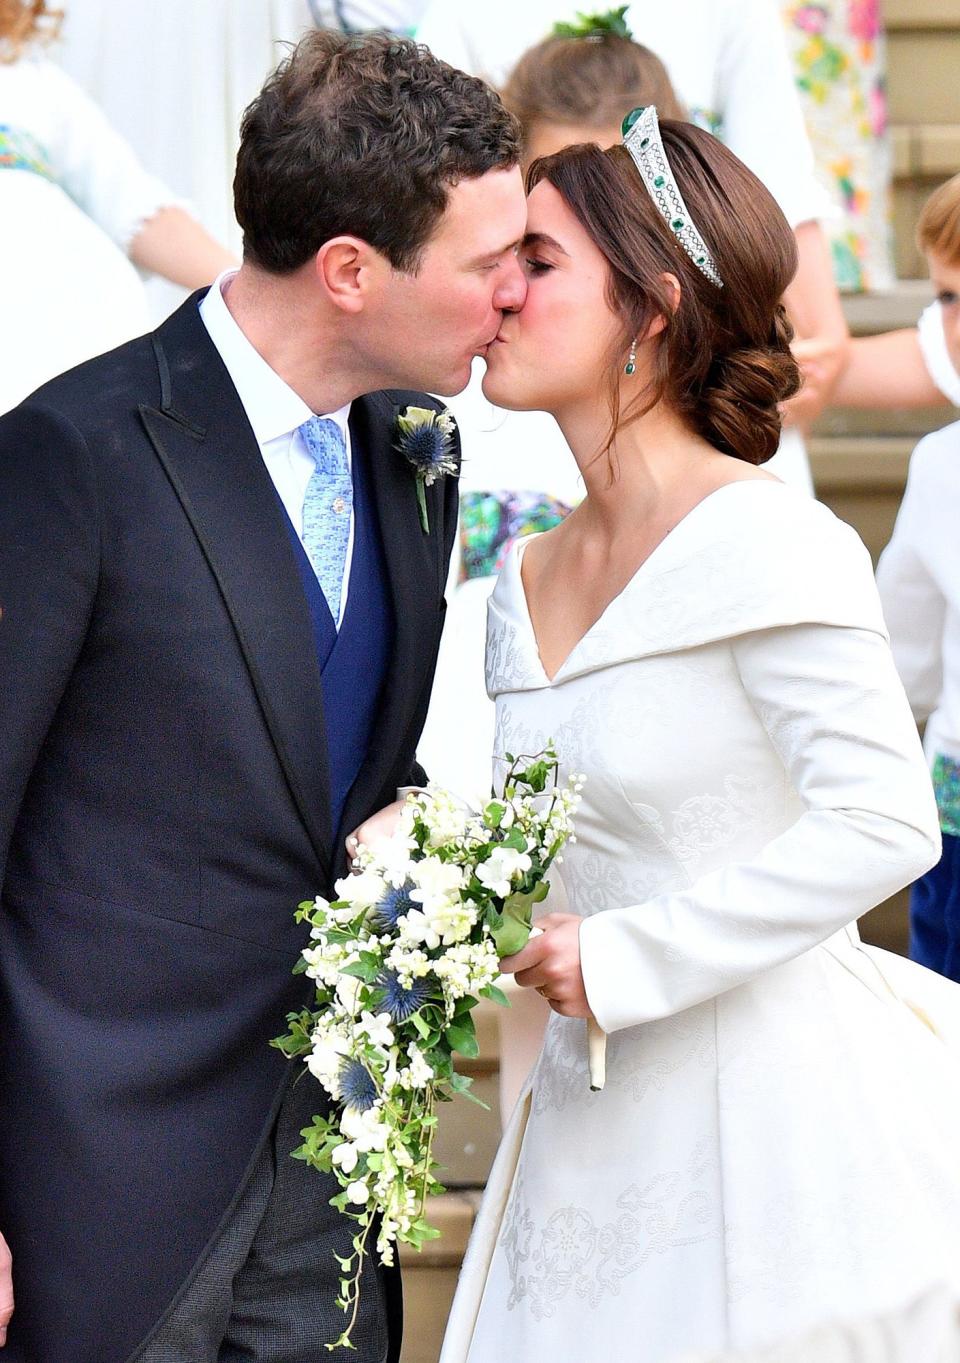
pixel 363 136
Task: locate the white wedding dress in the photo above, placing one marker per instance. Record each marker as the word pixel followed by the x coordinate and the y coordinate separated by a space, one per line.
pixel 778 1141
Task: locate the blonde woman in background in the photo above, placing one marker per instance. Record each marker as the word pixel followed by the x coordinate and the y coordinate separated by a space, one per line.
pixel 78 213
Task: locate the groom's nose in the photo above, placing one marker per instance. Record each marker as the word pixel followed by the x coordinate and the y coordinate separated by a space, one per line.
pixel 512 287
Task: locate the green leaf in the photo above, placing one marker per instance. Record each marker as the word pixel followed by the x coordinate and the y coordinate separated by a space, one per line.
pixel 366 969
pixel 515 839
pixel 536 776
pixel 421 1025
pixel 495 995
pixel 462 1037
pixel 494 812
pixel 518 919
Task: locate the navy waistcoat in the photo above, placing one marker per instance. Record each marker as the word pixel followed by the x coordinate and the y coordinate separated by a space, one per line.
pixel 354 661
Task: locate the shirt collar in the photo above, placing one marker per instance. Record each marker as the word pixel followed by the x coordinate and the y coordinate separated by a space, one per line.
pixel 272 407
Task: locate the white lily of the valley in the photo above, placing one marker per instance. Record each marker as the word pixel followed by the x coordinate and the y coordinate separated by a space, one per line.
pixel 501 868
pixel 358 1193
pixel 345 1156
pixel 377 1028
pixel 364 889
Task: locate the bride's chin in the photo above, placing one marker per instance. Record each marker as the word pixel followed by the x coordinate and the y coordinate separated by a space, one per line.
pixel 499 390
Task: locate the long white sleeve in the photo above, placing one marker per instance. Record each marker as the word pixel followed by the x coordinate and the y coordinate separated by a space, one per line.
pixel 96 166
pixel 834 710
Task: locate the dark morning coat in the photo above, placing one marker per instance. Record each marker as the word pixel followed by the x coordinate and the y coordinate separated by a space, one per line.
pixel 164 805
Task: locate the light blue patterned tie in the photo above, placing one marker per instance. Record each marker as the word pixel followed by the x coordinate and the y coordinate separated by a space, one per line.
pixel 327 507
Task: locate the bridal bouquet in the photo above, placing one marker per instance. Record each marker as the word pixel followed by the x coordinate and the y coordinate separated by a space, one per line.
pixel 400 961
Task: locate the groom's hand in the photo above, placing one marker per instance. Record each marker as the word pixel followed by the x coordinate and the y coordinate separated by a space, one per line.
pixel 378 828
pixel 550 963
pixel 6 1290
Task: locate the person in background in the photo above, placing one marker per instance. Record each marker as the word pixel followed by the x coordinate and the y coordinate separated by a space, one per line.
pixel 396 16
pixel 915 366
pixel 78 213
pixel 919 577
pixel 838 51
pixel 730 67
pixel 174 79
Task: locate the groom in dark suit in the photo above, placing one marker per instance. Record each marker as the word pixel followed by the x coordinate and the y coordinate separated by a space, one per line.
pixel 219 618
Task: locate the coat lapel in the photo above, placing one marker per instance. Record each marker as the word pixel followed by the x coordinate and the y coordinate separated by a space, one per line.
pixel 416 569
pixel 202 437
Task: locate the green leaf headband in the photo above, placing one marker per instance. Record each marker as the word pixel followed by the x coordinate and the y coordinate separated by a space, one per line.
pixel 641 137
pixel 611 22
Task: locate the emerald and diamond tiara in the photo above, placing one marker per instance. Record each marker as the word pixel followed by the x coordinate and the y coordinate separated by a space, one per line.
pixel 641 137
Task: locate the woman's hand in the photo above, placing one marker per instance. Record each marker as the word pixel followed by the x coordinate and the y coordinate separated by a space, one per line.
pixel 378 828
pixel 550 963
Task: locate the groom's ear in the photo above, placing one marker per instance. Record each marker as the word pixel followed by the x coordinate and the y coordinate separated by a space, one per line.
pixel 347 270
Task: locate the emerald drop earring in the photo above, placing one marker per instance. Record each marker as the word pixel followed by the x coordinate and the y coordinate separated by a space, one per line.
pixel 631 365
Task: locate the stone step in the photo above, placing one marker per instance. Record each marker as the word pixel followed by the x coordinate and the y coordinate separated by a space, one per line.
pixel 430 1277
pixel 869 313
pixel 922 67
pixel 923 157
pixel 906 15
pixel 467 1135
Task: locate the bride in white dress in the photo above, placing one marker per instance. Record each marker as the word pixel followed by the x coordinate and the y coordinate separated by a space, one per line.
pixel 778 1141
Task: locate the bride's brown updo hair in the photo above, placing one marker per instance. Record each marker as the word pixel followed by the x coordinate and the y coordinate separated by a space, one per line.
pixel 723 360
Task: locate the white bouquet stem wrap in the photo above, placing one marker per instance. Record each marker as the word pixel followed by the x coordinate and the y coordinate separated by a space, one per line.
pixel 399 961
pixel 596 1054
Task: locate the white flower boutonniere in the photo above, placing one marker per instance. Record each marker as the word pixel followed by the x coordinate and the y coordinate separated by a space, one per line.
pixel 425 439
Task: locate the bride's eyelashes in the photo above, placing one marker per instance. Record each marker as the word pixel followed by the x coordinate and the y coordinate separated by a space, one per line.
pixel 537 267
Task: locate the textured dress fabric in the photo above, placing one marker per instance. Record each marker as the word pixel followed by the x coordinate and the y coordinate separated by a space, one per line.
pixel 778 1141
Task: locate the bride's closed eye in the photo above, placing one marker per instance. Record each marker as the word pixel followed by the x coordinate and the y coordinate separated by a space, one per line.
pixel 537 267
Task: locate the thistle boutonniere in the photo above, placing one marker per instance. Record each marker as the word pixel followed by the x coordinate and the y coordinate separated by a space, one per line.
pixel 425 439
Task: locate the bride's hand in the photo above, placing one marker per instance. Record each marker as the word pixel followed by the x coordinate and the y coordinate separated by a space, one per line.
pixel 378 828
pixel 550 963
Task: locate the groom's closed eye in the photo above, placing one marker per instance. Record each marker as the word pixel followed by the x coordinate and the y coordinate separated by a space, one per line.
pixel 490 262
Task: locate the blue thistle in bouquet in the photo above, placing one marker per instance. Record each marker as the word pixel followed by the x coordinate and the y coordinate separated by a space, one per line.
pixel 399 961
pixel 425 439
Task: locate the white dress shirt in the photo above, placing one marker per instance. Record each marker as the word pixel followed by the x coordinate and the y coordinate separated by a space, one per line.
pixel 919 580
pixel 275 412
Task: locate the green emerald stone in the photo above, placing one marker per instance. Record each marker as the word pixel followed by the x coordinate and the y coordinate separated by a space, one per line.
pixel 677 224
pixel 630 119
pixel 659 182
pixel 630 369
pixel 644 142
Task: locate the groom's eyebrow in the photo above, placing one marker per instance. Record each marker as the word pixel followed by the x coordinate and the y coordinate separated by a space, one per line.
pixel 491 256
pixel 541 239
